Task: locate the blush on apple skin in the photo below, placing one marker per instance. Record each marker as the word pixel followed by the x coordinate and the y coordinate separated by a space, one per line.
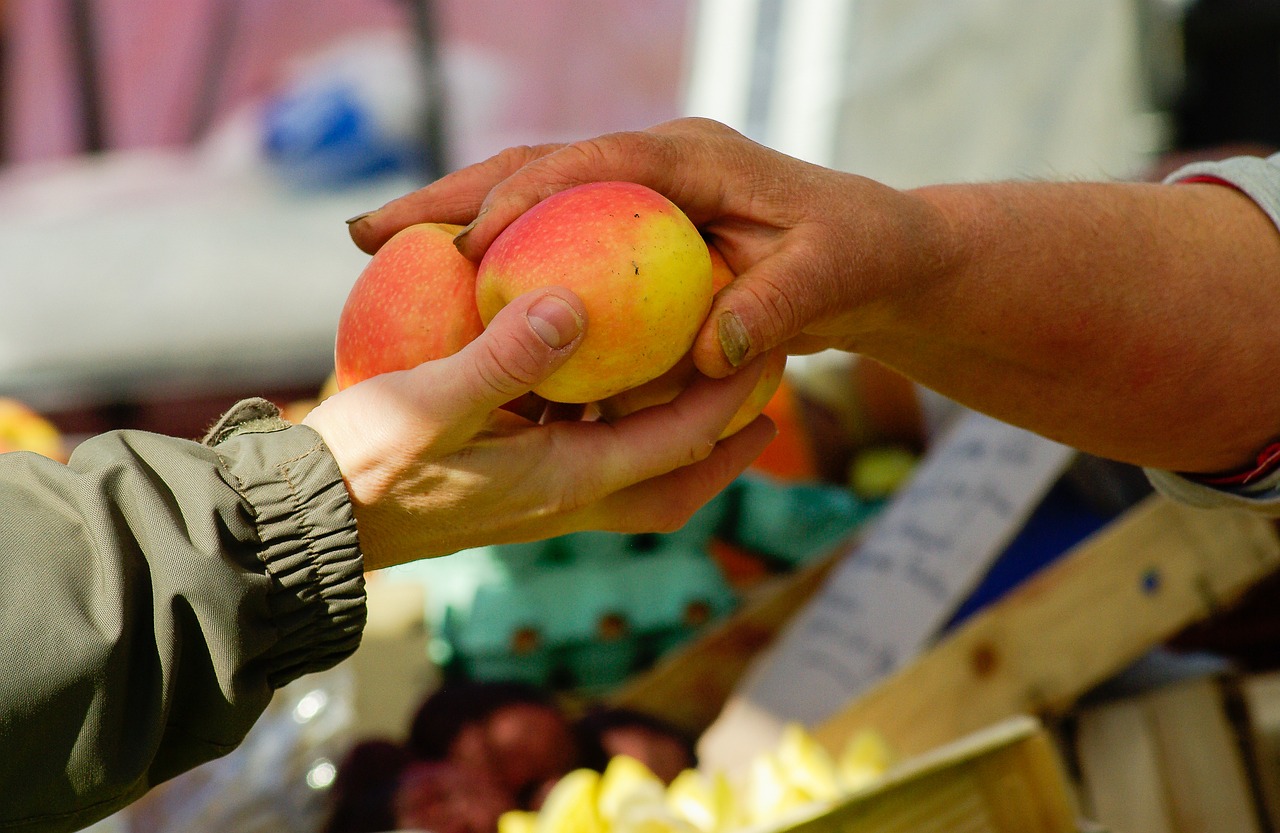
pixel 414 302
pixel 637 262
pixel 667 386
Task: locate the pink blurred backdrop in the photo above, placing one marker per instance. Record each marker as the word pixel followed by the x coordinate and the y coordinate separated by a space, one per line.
pixel 554 69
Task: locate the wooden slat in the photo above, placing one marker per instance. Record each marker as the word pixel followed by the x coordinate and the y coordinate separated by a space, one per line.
pixel 1121 782
pixel 1006 778
pixel 1078 622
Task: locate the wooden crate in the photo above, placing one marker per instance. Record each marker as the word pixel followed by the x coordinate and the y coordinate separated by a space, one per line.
pixel 1089 615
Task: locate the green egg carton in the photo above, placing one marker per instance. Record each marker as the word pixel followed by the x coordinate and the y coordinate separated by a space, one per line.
pixel 588 624
pixel 500 637
pixel 673 594
pixel 599 548
pixel 524 559
pixel 588 609
pixel 794 523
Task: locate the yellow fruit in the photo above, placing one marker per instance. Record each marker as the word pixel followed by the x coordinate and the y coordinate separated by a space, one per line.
pixel 517 821
pixel 329 388
pixel 799 776
pixel 865 759
pixel 704 801
pixel 650 819
pixel 22 429
pixel 770 793
pixel 570 807
pixel 879 472
pixel 628 784
pixel 808 765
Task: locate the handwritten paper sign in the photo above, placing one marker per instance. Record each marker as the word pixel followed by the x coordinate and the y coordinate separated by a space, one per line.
pixel 889 597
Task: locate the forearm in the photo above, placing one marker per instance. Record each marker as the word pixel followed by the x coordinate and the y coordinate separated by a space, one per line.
pixel 1131 321
pixel 156 593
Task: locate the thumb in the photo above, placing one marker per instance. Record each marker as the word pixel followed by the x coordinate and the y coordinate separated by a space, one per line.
pixel 750 316
pixel 527 341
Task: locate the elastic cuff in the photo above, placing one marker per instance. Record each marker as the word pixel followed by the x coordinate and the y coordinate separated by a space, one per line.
pixel 1262 498
pixel 1256 177
pixel 308 537
pixel 248 416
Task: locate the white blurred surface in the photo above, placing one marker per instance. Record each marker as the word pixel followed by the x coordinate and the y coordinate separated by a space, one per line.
pixel 913 92
pixel 151 272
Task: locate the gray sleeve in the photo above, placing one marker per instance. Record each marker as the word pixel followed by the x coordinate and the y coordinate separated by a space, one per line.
pixel 1259 179
pixel 1262 497
pixel 156 592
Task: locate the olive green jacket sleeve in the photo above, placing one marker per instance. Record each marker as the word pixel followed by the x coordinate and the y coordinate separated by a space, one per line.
pixel 154 592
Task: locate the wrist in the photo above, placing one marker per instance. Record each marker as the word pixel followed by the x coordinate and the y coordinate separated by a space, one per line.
pixel 916 251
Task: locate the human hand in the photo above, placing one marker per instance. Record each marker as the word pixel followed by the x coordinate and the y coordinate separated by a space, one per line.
pixel 1074 309
pixel 817 252
pixel 434 465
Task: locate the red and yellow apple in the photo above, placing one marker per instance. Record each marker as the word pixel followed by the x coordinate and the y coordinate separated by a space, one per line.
pixel 415 301
pixel 665 388
pixel 637 262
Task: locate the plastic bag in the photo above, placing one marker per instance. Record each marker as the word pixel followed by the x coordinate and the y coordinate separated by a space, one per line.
pixel 276 781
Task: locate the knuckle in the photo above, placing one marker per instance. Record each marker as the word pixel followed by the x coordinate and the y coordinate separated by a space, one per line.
pixel 700 123
pixel 775 306
pixel 588 155
pixel 624 154
pixel 513 158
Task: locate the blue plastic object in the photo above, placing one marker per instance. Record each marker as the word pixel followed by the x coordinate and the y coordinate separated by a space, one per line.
pixel 324 136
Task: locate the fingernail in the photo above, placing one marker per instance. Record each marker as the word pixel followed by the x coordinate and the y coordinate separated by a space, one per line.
pixel 733 338
pixel 462 235
pixel 555 322
pixel 458 238
pixel 358 218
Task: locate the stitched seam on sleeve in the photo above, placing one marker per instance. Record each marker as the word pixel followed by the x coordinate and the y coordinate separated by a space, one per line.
pixel 304 516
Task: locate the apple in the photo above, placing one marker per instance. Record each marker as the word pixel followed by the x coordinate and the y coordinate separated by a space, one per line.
pixel 665 388
pixel 637 262
pixel 415 301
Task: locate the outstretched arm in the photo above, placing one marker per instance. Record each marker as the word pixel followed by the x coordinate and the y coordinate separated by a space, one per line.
pixel 1129 320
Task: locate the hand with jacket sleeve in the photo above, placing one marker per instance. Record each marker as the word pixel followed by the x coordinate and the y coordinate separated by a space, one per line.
pixel 156 591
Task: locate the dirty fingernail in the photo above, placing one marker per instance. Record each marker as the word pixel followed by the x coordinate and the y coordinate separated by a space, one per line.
pixel 358 218
pixel 555 322
pixel 461 235
pixel 733 338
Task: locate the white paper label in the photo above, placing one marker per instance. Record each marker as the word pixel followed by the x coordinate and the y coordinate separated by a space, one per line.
pixel 887 599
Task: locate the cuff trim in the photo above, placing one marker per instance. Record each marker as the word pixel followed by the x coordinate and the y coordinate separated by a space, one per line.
pixel 307 533
pixel 1267 462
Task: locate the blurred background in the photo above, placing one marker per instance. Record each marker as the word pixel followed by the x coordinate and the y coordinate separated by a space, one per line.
pixel 174 178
